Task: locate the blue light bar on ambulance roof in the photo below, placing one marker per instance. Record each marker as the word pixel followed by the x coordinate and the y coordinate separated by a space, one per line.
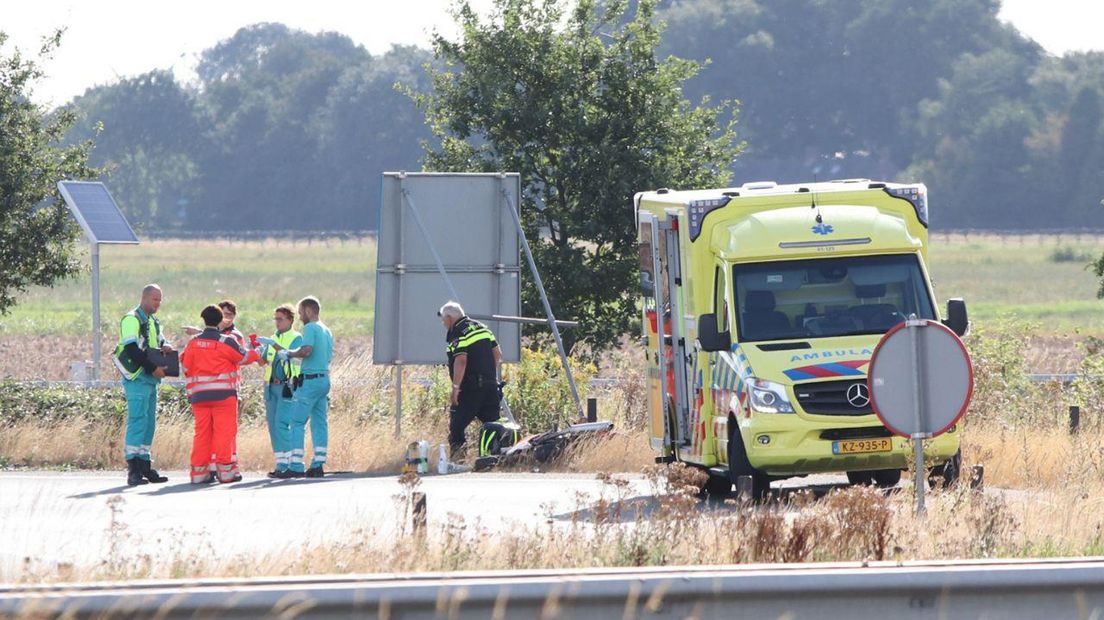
pixel 699 209
pixel 916 196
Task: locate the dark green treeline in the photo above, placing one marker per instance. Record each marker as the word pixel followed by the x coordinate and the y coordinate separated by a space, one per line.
pixel 289 130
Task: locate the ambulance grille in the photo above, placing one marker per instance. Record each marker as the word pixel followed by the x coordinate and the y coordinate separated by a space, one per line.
pixel 830 397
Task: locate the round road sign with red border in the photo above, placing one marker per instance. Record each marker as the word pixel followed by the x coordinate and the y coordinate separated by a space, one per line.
pixel 946 379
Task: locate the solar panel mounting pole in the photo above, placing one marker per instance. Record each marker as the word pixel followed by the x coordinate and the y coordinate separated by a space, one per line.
pixel 97 327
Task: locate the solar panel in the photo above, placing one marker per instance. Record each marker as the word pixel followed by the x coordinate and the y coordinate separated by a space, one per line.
pixel 97 212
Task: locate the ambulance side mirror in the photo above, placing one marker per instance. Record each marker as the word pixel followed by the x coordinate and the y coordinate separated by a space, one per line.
pixel 709 338
pixel 957 317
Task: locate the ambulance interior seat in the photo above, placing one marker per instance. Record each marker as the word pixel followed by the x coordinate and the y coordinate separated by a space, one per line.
pixel 874 315
pixel 760 317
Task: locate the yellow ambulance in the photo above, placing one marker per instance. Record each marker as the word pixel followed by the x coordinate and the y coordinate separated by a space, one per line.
pixel 762 305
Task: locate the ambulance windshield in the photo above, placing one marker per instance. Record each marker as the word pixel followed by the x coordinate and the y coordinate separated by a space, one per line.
pixel 828 297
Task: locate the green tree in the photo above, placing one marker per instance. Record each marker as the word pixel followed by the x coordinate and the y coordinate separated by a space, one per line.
pixel 583 109
pixel 148 130
pixel 366 128
pixel 36 230
pixel 264 90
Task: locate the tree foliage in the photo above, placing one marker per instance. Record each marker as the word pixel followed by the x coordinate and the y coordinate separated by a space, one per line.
pixel 149 134
pixel 579 105
pixel 284 130
pixel 36 231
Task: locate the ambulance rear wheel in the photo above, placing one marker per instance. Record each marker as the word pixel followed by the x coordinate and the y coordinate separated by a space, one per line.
pixel 739 465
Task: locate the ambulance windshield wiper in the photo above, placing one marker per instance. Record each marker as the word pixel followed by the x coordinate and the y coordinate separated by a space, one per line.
pixel 861 332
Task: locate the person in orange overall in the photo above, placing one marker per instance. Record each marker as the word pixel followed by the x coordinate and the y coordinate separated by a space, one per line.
pixel 211 361
pixel 227 328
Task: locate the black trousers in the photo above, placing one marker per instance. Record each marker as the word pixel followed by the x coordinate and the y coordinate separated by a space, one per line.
pixel 474 403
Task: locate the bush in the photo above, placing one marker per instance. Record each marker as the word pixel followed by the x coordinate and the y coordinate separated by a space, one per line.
pixel 46 404
pixel 1068 254
pixel 538 392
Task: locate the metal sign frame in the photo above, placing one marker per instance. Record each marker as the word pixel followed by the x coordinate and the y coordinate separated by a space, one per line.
pixel 392 261
pixel 444 236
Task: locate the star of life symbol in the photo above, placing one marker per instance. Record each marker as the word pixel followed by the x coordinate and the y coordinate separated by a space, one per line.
pixel 823 229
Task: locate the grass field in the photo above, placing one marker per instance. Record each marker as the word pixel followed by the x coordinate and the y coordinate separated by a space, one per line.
pixel 257 275
pixel 1041 279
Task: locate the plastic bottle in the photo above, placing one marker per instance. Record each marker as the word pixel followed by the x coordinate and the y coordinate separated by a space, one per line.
pixel 423 456
pixel 411 463
pixel 442 460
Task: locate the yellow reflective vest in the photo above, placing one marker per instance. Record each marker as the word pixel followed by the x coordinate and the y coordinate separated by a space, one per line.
pixel 288 340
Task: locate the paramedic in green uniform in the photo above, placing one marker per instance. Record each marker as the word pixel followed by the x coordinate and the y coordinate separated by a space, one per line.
pixel 278 378
pixel 312 399
pixel 139 332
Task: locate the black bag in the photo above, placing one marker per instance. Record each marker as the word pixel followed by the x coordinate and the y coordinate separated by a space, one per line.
pixel 495 437
pixel 171 361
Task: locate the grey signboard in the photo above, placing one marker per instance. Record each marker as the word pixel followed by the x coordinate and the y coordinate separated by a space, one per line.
pixel 454 221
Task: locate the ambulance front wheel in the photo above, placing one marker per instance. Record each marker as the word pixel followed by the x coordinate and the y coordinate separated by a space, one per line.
pixel 739 465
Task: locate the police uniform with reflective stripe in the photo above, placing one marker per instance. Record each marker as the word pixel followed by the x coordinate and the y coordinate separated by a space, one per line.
pixel 138 333
pixel 478 389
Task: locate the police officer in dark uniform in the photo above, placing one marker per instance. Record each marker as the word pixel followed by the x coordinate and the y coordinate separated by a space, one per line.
pixel 473 359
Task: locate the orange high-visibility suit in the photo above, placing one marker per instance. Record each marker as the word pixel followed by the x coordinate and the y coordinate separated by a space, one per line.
pixel 211 361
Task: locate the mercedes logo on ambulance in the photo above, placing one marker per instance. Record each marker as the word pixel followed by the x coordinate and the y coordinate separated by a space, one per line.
pixel 858 395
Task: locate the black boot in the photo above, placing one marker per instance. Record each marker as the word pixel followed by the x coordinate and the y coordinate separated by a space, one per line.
pixel 134 472
pixel 150 473
pixel 315 472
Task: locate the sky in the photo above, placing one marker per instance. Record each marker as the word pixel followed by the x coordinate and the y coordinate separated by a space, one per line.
pixel 109 39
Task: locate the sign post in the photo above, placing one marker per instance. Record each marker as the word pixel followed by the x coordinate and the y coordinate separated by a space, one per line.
pixel 920 383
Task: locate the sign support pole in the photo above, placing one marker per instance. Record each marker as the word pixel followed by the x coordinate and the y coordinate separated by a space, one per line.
pixel 918 406
pixel 400 270
pixel 398 399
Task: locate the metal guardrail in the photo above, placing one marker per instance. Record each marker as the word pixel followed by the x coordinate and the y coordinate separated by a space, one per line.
pixel 1021 232
pixel 958 589
pixel 261 235
pixel 1063 378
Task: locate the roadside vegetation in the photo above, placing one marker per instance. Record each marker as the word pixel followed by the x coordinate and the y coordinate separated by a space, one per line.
pixel 1043 486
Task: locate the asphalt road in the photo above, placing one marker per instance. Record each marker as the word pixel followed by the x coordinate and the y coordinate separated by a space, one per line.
pixel 83 517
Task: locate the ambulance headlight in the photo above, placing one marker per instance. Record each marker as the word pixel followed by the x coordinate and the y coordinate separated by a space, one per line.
pixel 768 397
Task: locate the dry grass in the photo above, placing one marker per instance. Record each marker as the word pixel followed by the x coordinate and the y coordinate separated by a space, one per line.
pixel 1043 459
pixel 677 528
pixel 360 438
pixel 361 421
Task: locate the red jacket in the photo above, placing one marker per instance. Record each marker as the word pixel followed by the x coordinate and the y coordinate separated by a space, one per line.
pixel 211 361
